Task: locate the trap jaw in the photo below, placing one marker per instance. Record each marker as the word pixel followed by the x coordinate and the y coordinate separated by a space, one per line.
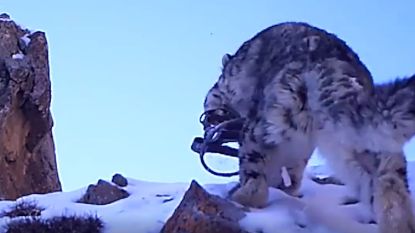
pixel 219 129
pixel 221 132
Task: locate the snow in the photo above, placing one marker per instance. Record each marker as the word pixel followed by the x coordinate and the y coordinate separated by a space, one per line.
pixel 26 39
pixel 150 204
pixel 18 56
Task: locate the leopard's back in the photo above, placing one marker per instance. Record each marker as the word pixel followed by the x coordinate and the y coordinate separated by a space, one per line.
pixel 292 64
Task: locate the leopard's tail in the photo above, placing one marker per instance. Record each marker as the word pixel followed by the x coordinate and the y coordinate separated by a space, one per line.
pixel 395 103
pixel 392 198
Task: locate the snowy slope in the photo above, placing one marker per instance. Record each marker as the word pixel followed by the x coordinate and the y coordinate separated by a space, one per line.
pixel 151 204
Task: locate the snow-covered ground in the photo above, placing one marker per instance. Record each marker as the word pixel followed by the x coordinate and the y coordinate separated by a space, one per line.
pixel 150 205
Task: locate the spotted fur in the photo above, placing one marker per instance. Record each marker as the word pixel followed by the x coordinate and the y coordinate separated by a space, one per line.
pixel 300 88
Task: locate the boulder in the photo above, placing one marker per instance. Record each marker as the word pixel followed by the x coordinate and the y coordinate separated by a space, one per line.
pixel 103 193
pixel 119 180
pixel 201 212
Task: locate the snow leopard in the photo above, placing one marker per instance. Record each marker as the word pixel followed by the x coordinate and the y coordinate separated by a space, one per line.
pixel 298 88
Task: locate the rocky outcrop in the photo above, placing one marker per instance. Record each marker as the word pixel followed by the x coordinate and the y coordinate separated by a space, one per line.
pixel 103 193
pixel 201 212
pixel 27 150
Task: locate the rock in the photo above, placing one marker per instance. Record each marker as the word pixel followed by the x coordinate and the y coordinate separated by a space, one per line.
pixel 119 180
pixel 27 150
pixel 103 193
pixel 327 180
pixel 201 212
pixel 4 16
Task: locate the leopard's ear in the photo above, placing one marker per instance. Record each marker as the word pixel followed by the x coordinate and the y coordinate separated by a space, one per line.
pixel 225 59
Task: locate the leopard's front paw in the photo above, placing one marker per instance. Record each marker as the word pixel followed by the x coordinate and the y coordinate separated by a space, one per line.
pixel 254 193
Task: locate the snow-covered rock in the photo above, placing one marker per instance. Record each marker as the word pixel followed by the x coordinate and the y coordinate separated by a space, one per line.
pixel 150 205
